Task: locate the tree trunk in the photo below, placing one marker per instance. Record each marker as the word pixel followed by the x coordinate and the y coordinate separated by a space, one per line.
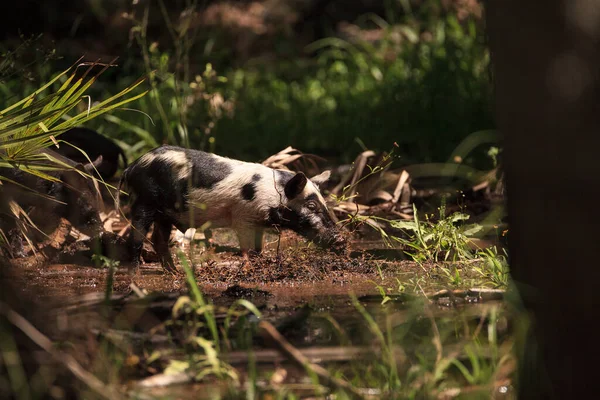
pixel 546 59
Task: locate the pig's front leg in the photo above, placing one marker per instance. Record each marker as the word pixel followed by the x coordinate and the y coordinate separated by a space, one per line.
pixel 251 239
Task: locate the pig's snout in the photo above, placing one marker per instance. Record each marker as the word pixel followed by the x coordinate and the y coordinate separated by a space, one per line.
pixel 333 241
pixel 88 222
pixel 339 243
pixel 92 231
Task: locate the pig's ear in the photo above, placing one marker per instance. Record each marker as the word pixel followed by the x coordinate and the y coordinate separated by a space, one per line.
pixel 321 178
pixel 295 186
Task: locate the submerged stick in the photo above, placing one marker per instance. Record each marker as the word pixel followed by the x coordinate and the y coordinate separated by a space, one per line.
pixel 296 355
pixel 313 355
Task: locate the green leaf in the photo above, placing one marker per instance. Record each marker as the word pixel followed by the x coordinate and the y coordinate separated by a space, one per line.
pixel 179 305
pixel 400 224
pixel 459 217
pixel 244 303
pixel 142 133
pixel 176 367
pixel 155 355
pixel 472 229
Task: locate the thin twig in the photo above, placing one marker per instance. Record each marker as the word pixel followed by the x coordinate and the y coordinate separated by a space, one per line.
pixel 136 289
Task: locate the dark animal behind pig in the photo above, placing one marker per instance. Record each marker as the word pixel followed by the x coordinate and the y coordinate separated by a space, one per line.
pixel 94 145
pixel 172 186
pixel 73 198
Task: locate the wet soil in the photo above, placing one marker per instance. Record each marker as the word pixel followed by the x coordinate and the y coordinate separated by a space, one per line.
pixel 290 270
pixel 302 290
pixel 292 283
pixel 294 274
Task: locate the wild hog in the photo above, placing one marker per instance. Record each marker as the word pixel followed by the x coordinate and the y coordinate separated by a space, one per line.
pixel 73 197
pixel 172 186
pixel 94 145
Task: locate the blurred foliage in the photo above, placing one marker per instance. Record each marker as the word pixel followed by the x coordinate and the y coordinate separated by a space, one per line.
pixel 416 78
pixel 426 98
pixel 37 121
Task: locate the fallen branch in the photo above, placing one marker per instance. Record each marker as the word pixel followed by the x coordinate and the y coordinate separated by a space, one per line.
pixel 296 355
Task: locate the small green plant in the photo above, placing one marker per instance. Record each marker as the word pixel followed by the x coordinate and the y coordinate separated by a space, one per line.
pixel 105 262
pixel 203 339
pixel 384 339
pixel 453 275
pixel 110 264
pixel 436 241
pixel 433 356
pixel 494 266
pixel 384 296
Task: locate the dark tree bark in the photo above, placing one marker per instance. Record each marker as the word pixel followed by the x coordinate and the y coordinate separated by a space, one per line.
pixel 546 57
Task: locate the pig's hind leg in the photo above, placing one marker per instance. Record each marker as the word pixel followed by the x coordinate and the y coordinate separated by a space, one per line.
pixel 160 240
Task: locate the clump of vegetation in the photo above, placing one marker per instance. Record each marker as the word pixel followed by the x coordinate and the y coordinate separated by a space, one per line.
pixel 36 122
pixel 426 94
pixel 494 267
pixel 442 240
pixel 423 84
pixel 442 360
pixel 196 317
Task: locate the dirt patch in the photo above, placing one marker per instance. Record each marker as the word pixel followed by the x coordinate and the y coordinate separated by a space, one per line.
pixel 293 266
pixel 292 271
pixel 289 272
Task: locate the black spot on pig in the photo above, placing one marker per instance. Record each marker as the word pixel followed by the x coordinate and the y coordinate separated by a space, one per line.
pixel 94 145
pixel 284 217
pixel 248 191
pixel 207 169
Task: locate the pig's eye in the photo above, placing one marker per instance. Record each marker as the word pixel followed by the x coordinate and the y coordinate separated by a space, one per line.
pixel 311 205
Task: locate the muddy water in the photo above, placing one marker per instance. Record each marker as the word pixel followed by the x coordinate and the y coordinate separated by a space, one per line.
pixel 292 274
pixel 303 292
pixel 326 289
pixel 288 274
pixel 57 283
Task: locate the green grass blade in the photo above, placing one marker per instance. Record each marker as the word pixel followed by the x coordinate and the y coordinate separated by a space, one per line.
pixel 34 94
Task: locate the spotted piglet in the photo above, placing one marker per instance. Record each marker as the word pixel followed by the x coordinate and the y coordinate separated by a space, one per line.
pixel 173 186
